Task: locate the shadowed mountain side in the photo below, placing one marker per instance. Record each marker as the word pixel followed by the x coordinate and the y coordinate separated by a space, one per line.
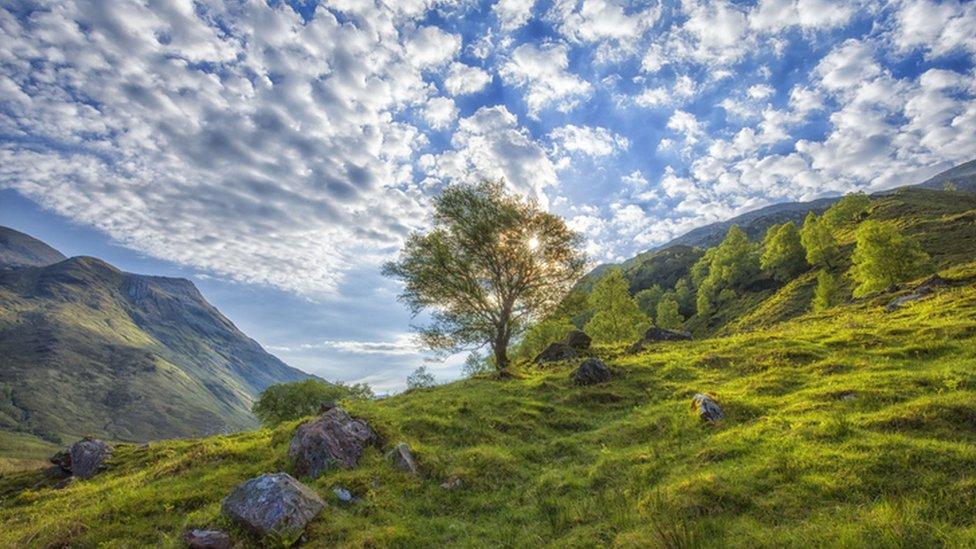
pixel 88 349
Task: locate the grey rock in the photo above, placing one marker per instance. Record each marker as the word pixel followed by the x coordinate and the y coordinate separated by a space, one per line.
pixel 273 505
pixel 923 290
pixel 592 371
pixel 84 458
pixel 333 440
pixel 207 539
pixel 707 408
pixel 556 352
pixel 344 495
pixel 933 282
pixel 655 334
pixel 452 483
pixel 578 340
pixel 403 459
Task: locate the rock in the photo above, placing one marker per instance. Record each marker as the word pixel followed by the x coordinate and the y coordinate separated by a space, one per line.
pixel 403 459
pixel 933 282
pixel 274 504
pixel 84 458
pixel 707 408
pixel 556 352
pixel 452 483
pixel 333 440
pixel 326 406
pixel 655 334
pixel 577 340
pixel 592 371
pixel 206 539
pixel 344 495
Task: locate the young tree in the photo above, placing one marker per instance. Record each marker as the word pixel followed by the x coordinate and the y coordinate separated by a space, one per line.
pixel 847 211
pixel 818 241
pixel 297 399
pixel 685 297
pixel 491 264
pixel 476 364
pixel 421 378
pixel 667 313
pixel 731 265
pixel 826 293
pixel 648 299
pixel 617 317
pixel 884 256
pixel 783 255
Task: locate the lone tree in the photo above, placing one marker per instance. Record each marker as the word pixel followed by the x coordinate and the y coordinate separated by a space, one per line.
pixel 491 263
pixel 884 256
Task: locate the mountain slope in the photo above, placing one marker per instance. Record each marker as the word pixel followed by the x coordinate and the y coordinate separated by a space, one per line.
pixel 20 250
pixel 88 349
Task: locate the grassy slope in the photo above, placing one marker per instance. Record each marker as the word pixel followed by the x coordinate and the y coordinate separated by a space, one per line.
pixel 847 428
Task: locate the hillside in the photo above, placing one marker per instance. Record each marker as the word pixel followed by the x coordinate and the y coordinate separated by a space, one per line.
pixel 851 428
pixel 20 250
pixel 88 349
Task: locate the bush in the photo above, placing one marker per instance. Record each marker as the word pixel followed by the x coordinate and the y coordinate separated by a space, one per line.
pixel 826 293
pixel 421 378
pixel 298 399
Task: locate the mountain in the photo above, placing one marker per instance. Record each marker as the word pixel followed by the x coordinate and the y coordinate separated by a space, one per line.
pixel 20 250
pixel 88 349
pixel 853 427
pixel 961 177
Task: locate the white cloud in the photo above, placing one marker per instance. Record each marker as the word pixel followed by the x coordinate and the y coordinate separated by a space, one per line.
pixel 542 72
pixel 440 113
pixel 513 14
pixel 590 141
pixel 490 144
pixel 464 79
pixel 685 124
pixel 938 28
pixel 607 23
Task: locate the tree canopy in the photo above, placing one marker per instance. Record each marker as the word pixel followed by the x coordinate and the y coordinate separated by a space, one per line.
pixel 730 265
pixel 297 399
pixel 491 263
pixel 818 241
pixel 825 295
pixel 616 315
pixel 668 315
pixel 847 211
pixel 884 256
pixel 783 254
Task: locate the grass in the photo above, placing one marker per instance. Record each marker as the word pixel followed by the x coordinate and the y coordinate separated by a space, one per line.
pixel 848 428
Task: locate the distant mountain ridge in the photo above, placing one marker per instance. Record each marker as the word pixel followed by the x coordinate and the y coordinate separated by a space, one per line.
pixel 88 349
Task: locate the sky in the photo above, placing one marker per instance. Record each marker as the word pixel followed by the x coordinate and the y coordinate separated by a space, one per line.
pixel 277 153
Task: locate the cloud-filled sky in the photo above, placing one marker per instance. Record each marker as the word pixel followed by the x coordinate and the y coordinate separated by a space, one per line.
pixel 278 152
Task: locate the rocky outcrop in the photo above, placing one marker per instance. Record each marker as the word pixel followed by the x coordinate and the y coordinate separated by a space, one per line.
pixel 334 440
pixel 273 505
pixel 569 348
pixel 655 334
pixel 84 458
pixel 207 539
pixel 403 459
pixel 591 372
pixel 923 290
pixel 707 408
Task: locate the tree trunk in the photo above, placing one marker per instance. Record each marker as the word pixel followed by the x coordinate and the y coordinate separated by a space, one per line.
pixel 500 348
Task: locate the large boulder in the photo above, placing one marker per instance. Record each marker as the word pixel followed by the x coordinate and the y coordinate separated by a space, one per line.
pixel 578 340
pixel 707 408
pixel 273 505
pixel 84 458
pixel 591 372
pixel 926 288
pixel 655 334
pixel 402 459
pixel 556 352
pixel 334 440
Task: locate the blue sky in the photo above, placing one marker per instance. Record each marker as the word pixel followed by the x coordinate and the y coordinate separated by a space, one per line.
pixel 277 153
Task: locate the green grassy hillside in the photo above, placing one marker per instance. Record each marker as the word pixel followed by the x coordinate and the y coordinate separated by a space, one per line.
pixel 849 428
pixel 86 349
